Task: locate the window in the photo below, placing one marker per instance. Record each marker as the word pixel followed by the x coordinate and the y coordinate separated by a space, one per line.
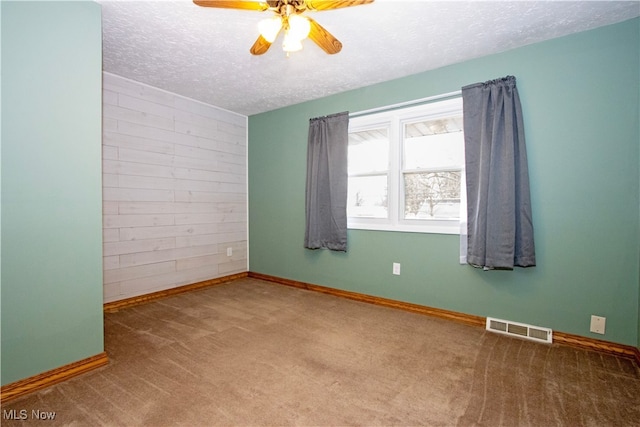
pixel 406 169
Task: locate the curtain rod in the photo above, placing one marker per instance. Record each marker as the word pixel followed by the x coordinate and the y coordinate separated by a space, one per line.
pixel 406 103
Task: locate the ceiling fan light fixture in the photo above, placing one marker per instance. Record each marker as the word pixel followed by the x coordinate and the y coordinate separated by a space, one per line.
pixel 291 44
pixel 289 17
pixel 270 27
pixel 299 27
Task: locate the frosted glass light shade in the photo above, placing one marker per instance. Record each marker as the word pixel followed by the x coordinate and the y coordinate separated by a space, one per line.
pixel 291 44
pixel 270 27
pixel 299 27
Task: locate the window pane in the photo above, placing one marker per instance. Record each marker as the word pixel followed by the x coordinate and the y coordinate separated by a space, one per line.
pixel 368 151
pixel 432 195
pixel 367 197
pixel 434 144
pixel 405 167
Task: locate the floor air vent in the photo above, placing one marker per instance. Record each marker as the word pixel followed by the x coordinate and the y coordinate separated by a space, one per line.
pixel 533 333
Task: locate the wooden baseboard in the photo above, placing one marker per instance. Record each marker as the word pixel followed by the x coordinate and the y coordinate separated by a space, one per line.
pixel 114 306
pixel 46 379
pixel 558 337
pixel 415 308
pixel 597 345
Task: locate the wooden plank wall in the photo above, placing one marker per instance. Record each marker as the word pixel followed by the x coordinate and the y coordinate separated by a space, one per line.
pixel 174 190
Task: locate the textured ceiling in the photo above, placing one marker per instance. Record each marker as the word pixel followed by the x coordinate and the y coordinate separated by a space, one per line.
pixel 203 53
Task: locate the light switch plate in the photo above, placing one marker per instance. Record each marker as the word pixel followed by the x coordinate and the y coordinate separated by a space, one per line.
pixel 396 268
pixel 598 324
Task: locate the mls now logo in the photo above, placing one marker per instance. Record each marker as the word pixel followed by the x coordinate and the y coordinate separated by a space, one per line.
pixel 14 414
pixel 23 414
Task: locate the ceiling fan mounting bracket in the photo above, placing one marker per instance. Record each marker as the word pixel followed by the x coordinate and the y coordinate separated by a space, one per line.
pixel 288 7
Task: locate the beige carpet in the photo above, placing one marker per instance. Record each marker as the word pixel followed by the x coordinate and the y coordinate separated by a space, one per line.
pixel 252 353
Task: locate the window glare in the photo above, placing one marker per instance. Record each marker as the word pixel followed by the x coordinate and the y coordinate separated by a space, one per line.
pixel 368 151
pixel 434 151
pixel 367 197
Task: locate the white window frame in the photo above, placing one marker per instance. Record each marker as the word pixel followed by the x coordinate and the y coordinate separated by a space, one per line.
pixel 394 121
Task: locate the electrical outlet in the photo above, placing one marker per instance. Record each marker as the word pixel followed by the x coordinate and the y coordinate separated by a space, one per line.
pixel 229 251
pixel 396 268
pixel 597 324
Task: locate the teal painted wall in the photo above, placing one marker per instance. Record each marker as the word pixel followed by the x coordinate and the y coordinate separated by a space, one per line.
pixel 581 106
pixel 51 186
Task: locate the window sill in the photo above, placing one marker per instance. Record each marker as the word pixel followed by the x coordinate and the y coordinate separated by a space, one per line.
pixel 434 227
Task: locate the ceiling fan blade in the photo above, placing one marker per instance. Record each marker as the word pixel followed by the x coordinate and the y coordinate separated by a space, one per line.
pixel 323 38
pixel 260 46
pixel 246 5
pixel 333 4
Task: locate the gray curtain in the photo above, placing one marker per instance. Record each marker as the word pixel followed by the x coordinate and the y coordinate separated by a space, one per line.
pixel 326 195
pixel 500 228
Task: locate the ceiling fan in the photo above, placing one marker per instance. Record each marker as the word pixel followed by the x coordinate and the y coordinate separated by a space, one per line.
pixel 289 17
